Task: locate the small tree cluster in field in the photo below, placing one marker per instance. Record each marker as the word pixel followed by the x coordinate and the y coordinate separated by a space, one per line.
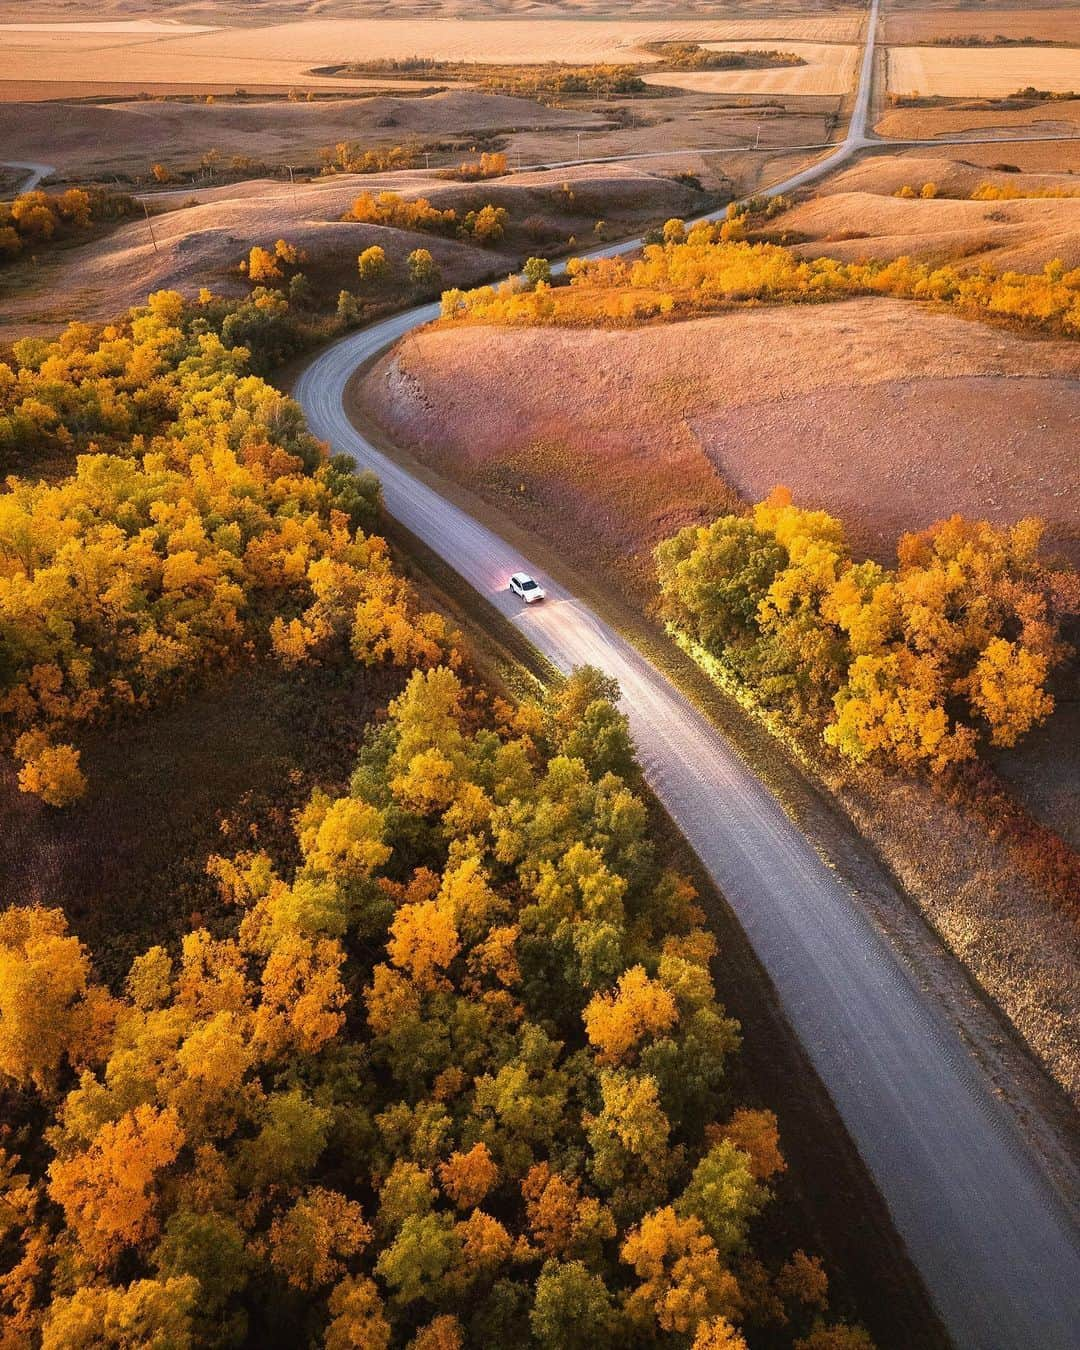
pixel 914 666
pixel 455 1076
pixel 401 213
pixel 491 164
pixel 37 219
pixel 485 225
pixel 267 265
pixel 709 267
pixel 927 192
pixel 349 157
pixel 202 525
pixel 693 56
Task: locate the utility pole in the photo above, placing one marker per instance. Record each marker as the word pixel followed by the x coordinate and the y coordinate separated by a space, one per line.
pixel 579 145
pixel 292 181
pixel 149 224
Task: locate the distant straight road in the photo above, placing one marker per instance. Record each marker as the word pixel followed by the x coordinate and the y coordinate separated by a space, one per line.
pixel 986 1229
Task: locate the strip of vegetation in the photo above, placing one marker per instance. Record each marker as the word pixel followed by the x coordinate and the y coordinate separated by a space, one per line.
pixel 997 40
pixel 712 267
pixel 457 1078
pixel 553 79
pixel 693 56
pixel 202 526
pixel 37 221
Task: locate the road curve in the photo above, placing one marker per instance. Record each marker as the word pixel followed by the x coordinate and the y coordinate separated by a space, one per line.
pixel 34 172
pixel 988 1232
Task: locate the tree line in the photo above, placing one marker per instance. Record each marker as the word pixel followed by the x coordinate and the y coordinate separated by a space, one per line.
pixel 711 267
pixel 917 665
pixel 37 219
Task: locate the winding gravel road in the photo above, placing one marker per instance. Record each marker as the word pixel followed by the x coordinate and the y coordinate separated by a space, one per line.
pixel 988 1232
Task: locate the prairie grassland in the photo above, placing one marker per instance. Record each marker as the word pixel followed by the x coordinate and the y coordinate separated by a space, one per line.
pixel 829 69
pixel 981 72
pixel 127 138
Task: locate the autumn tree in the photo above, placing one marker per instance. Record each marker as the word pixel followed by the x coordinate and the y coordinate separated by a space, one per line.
pixel 373 266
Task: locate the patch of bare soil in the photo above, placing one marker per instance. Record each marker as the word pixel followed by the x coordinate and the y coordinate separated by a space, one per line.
pixel 603 442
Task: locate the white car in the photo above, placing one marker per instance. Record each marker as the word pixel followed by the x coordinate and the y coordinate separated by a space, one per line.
pixel 522 584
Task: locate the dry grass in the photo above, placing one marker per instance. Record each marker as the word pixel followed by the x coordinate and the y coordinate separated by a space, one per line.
pixel 1021 235
pixel 856 215
pixel 129 137
pixel 285 53
pixel 201 245
pixel 257 12
pixel 1060 118
pixel 618 437
pixel 829 70
pixel 1016 943
pixel 987 72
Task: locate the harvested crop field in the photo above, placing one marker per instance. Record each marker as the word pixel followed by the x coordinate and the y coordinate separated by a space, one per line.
pixel 667 425
pixel 912 27
pixel 257 12
pixel 829 69
pixel 1059 118
pixel 981 72
pixel 285 53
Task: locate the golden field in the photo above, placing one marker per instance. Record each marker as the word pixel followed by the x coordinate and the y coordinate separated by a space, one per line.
pixel 981 72
pixel 283 54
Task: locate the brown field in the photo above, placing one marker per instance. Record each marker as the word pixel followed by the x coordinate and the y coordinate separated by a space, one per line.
pixel 202 244
pixel 857 217
pixel 829 69
pixel 906 28
pixel 617 438
pixel 128 137
pixel 257 12
pixel 668 424
pixel 100 140
pixel 1060 118
pixel 981 72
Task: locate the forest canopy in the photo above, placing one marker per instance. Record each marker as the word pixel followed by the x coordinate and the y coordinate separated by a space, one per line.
pixel 457 1077
pixel 916 666
pixel 202 525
